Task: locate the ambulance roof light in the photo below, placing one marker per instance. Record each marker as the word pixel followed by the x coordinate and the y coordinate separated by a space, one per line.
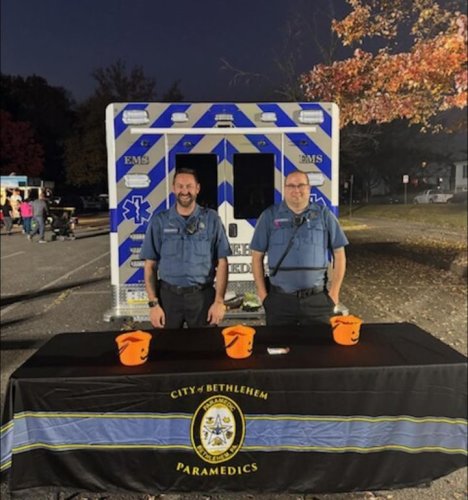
pixel 311 116
pixel 135 117
pixel 179 117
pixel 268 116
pixel 224 117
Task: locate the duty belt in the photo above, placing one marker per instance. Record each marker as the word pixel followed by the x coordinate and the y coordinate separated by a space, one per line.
pixel 306 292
pixel 182 290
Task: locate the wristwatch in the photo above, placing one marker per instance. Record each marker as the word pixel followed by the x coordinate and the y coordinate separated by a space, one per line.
pixel 153 303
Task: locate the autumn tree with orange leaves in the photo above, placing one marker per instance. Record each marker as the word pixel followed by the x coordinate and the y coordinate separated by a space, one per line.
pixel 416 84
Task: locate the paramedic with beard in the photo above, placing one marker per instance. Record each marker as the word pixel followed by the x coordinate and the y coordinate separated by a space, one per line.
pixel 298 292
pixel 187 246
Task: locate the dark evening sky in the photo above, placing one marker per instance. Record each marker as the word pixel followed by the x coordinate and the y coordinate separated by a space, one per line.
pixel 65 40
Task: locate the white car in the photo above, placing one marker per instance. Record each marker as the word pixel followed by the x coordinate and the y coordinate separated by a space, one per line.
pixel 432 196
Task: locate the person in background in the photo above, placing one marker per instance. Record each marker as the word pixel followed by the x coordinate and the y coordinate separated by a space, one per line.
pixel 40 212
pixel 15 200
pixel 26 212
pixel 188 247
pixel 7 212
pixel 298 236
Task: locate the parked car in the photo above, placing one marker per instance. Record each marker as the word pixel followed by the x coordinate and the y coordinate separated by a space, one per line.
pixel 104 197
pixel 94 202
pixel 385 199
pixel 70 200
pixel 432 196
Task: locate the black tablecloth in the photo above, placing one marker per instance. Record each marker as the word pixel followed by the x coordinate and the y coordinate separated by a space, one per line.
pixel 388 412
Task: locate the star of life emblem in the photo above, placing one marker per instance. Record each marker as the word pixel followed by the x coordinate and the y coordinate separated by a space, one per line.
pixel 136 208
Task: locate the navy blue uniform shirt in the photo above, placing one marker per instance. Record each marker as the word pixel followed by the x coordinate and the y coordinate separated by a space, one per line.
pixel 186 249
pixel 306 263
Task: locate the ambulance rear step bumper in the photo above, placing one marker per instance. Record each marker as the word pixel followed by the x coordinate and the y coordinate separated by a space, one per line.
pixel 140 314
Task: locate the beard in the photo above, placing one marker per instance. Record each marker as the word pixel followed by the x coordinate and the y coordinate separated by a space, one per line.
pixel 186 201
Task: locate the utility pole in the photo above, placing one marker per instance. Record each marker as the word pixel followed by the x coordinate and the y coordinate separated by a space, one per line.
pixel 351 179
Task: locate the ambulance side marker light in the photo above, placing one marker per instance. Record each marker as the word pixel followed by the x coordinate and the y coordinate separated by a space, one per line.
pixel 269 117
pixel 311 116
pixel 135 117
pixel 137 236
pixel 316 178
pixel 179 117
pixel 224 117
pixel 137 180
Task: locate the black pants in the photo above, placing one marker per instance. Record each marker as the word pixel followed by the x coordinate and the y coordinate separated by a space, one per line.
pixel 191 307
pixel 288 309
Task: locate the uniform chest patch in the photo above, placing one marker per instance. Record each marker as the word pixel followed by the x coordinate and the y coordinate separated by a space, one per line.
pixel 282 222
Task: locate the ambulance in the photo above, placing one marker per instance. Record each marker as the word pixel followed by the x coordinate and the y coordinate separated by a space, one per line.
pixel 241 153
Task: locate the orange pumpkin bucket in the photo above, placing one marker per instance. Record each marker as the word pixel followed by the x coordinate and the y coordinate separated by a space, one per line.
pixel 238 341
pixel 133 347
pixel 346 329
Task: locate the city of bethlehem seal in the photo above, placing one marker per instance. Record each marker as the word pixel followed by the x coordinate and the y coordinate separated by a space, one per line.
pixel 217 430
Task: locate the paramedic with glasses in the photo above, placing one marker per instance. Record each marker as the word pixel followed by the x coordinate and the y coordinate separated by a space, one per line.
pixel 187 247
pixel 298 236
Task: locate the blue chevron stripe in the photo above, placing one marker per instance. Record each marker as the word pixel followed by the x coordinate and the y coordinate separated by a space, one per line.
pixel 229 192
pixel 114 226
pixel 288 166
pixel 124 250
pixel 230 152
pixel 136 278
pixel 277 197
pixel 206 120
pixel 268 148
pixel 222 196
pixel 218 150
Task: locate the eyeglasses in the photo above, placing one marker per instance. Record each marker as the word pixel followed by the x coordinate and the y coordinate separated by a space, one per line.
pixel 296 186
